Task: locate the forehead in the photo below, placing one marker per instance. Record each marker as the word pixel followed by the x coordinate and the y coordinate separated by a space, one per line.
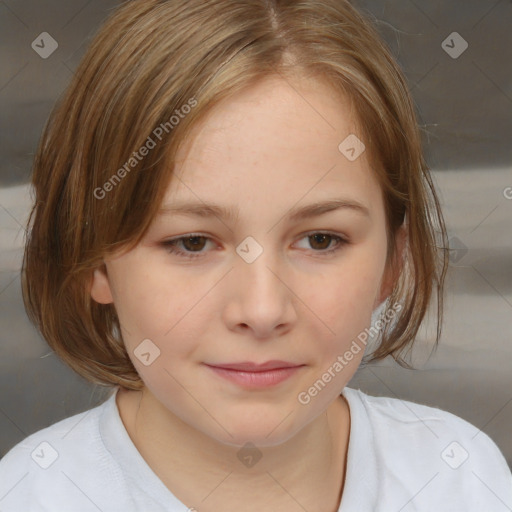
pixel 274 143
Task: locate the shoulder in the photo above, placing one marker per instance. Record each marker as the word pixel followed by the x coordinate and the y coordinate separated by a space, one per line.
pixel 424 445
pixel 41 446
pixel 396 411
pixel 49 458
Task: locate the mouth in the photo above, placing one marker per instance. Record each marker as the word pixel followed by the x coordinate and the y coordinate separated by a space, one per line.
pixel 252 375
pixel 248 366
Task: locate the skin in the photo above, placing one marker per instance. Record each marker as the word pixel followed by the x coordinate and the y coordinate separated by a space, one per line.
pixel 266 150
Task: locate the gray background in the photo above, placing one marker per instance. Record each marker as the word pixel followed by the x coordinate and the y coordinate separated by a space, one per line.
pixel 465 107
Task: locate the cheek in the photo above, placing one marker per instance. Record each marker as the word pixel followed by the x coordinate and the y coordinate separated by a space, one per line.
pixel 346 307
pixel 148 301
pixel 173 312
pixel 142 282
pixel 347 294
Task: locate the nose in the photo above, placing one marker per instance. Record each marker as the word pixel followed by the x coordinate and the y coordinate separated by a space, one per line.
pixel 261 296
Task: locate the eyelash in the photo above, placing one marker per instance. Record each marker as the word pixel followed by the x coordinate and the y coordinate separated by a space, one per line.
pixel 170 245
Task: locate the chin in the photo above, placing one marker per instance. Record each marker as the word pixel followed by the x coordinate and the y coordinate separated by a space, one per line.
pixel 265 431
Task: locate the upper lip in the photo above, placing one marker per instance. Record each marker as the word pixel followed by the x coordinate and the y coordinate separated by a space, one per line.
pixel 255 367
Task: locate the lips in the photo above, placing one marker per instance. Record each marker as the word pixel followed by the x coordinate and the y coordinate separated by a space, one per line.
pixel 255 367
pixel 253 376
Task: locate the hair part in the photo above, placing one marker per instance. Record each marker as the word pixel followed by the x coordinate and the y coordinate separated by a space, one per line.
pixel 148 60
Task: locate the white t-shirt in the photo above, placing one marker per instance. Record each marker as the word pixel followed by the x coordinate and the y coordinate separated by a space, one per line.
pixel 401 457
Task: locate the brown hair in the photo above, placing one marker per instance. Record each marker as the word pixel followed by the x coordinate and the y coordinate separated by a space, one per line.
pixel 94 195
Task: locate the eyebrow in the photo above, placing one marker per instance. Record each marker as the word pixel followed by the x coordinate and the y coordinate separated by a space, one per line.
pixel 295 214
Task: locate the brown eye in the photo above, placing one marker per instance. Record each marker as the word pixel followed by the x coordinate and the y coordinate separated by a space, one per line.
pixel 190 246
pixel 322 240
pixel 194 243
pixel 320 243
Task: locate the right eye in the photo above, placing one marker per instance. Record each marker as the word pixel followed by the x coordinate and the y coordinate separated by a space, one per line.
pixel 191 241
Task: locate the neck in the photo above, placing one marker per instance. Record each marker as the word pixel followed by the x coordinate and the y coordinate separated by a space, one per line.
pixel 305 472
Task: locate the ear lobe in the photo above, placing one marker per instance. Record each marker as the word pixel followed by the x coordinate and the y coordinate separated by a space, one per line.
pixel 100 286
pixel 393 271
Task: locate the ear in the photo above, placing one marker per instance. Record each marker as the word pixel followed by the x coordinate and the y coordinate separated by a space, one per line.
pixel 100 286
pixel 394 268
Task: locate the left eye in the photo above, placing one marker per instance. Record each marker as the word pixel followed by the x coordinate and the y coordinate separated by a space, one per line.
pixel 194 244
pixel 324 240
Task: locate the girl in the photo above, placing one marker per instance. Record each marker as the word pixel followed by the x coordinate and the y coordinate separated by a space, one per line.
pixel 226 196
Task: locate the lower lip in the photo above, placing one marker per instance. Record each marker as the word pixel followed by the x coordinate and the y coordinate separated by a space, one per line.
pixel 263 379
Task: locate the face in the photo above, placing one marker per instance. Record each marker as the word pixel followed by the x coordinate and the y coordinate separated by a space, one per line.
pixel 264 283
